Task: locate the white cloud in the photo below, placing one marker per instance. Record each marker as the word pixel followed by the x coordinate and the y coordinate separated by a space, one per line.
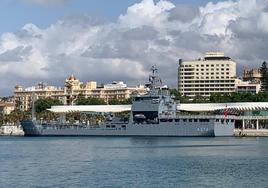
pixel 148 33
pixel 146 13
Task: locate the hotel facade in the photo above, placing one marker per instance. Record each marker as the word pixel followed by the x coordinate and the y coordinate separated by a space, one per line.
pixel 71 90
pixel 215 73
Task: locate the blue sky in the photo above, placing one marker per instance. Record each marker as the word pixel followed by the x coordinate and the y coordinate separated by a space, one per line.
pixel 16 13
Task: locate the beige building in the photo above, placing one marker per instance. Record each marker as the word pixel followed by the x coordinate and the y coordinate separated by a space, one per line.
pixel 24 96
pixel 72 88
pixel 252 75
pixel 215 73
pixel 6 107
pixel 247 87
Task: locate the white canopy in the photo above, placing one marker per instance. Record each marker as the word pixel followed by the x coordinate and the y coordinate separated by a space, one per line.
pixel 197 107
pixel 90 108
pixel 241 106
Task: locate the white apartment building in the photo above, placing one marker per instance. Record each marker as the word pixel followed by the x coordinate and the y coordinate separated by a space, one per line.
pixel 215 73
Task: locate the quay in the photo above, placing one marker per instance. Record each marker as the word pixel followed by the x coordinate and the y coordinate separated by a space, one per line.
pixel 251 126
pixel 250 132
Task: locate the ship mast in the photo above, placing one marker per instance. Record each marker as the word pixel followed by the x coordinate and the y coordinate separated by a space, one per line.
pixel 33 106
pixel 155 81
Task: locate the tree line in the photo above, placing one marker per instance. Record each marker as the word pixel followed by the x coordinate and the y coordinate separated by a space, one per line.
pixel 223 98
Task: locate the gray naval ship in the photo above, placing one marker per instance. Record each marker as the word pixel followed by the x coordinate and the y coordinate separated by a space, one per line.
pixel 154 114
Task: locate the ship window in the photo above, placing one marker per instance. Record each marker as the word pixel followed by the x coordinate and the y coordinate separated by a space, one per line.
pixel 217 120
pixel 222 121
pixel 123 126
pixel 107 126
pixel 232 120
pixel 137 99
pixel 184 120
pixel 195 120
pixel 204 120
pixel 170 120
pixel 190 120
pixel 113 126
pixel 177 120
pixel 163 120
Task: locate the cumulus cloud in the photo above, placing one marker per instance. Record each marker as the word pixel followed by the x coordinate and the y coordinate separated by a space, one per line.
pixel 149 33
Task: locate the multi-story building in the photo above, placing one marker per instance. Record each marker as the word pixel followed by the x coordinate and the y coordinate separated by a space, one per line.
pixel 252 75
pixel 247 87
pixel 6 107
pixel 72 89
pixel 215 73
pixel 24 97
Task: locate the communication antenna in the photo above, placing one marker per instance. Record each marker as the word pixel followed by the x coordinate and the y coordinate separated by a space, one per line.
pixel 34 97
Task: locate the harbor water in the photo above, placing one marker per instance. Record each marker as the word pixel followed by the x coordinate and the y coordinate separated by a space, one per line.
pixel 133 162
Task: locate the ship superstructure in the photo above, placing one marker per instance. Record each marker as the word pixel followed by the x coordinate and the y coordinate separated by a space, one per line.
pixel 152 114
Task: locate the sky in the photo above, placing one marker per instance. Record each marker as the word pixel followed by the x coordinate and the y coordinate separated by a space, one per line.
pixel 48 40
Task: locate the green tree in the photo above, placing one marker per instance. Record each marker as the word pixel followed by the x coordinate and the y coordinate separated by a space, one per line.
pixel 81 100
pixel 45 103
pixel 114 102
pixel 264 76
pixel 1 119
pixel 178 96
pixel 120 102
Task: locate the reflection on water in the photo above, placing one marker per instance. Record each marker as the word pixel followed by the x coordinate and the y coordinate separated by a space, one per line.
pixel 133 162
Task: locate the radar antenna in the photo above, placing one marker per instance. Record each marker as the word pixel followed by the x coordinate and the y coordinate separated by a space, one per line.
pixel 154 70
pixel 154 80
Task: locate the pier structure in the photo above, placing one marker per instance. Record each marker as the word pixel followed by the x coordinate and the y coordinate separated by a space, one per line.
pixel 251 126
pixel 251 118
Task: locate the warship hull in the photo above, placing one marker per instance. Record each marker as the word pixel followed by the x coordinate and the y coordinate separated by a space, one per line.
pixel 163 129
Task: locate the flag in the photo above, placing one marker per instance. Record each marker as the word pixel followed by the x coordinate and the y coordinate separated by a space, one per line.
pixel 225 111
